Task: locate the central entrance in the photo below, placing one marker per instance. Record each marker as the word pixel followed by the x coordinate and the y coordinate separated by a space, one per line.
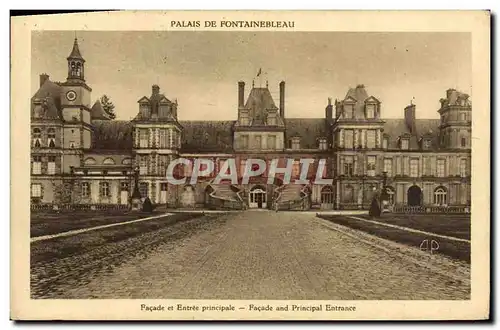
pixel 257 197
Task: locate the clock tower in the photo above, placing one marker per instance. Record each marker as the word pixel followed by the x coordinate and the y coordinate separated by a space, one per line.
pixel 75 108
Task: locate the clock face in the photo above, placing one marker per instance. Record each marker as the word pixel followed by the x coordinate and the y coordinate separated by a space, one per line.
pixel 71 95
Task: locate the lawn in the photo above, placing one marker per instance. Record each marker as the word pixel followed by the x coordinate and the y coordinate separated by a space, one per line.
pixel 50 222
pixel 448 225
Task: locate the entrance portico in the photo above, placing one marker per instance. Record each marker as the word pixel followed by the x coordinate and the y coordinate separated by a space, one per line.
pixel 257 198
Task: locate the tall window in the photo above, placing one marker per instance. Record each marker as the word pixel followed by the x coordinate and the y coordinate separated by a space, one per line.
pixel 37 137
pixel 322 144
pixel 370 165
pixel 85 189
pixel 370 111
pixel 370 138
pixel 463 167
pixel 37 164
pixel 162 164
pixel 440 167
pixel 271 142
pixel 414 167
pixel 348 166
pixel 143 164
pixel 143 138
pixel 143 189
pixel 36 190
pixel 295 143
pixel 258 142
pixel 463 142
pixel 348 111
pixel 51 165
pixel 296 169
pixel 172 138
pixel 244 142
pixel 104 189
pixel 388 166
pixel 163 138
pixel 385 143
pixel 440 196
pixel 51 137
pixel 427 166
pixel 349 138
pixel 405 143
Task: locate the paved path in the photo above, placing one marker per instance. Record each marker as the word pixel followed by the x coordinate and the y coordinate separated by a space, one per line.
pixel 268 255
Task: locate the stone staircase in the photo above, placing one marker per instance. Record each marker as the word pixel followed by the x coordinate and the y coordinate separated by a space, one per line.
pixel 225 196
pixel 292 197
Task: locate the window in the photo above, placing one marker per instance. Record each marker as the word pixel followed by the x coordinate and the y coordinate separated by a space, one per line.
pixel 124 186
pixel 108 161
pixel 463 142
pixel 440 196
pixel 37 137
pixel 143 189
pixel 370 111
pixel 427 165
pixel 440 167
pixel 163 186
pixel 85 189
pixel 271 121
pixel 388 166
pixel 348 111
pixel 258 142
pixel 405 144
pixel 271 142
pixel 295 143
pixel 370 165
pixel 348 194
pixel 51 138
pixel 462 116
pixel 296 169
pixel 322 144
pixel 348 166
pixel 51 165
pixel 163 138
pixel 143 165
pixel 414 168
pixel 370 138
pixel 104 189
pixel 37 164
pixel 90 161
pixel 427 144
pixel 162 164
pixel 244 142
pixel 72 144
pixel 36 190
pixel 244 120
pixel 172 137
pixel 349 138
pixel 385 143
pixel 463 167
pixel 143 138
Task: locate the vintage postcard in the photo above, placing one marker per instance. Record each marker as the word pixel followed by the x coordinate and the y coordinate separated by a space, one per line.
pixel 238 165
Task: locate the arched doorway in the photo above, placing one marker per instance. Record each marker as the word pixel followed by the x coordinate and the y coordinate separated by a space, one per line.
pixel 257 197
pixel 440 196
pixel 414 196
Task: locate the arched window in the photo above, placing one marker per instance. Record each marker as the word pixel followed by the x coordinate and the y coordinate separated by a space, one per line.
pixel 127 161
pixel 348 194
pixel 327 195
pixel 440 196
pixel 90 161
pixel 51 137
pixel 109 161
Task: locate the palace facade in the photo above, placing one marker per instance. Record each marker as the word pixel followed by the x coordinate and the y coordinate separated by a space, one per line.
pixel 80 155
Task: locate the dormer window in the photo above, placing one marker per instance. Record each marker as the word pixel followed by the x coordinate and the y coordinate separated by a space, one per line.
pixel 51 137
pixel 370 111
pixel 349 111
pixel 37 137
pixel 385 143
pixel 426 144
pixel 322 144
pixel 295 143
pixel 405 143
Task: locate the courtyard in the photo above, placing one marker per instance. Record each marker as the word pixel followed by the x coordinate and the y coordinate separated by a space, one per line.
pixel 235 255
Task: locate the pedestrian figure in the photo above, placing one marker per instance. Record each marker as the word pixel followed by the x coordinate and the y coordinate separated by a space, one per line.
pixel 375 207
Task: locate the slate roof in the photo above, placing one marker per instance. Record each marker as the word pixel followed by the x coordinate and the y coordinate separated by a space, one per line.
pixel 112 135
pixel 308 129
pixel 261 99
pixel 208 136
pixel 75 52
pixel 394 128
pixel 49 96
pixel 97 112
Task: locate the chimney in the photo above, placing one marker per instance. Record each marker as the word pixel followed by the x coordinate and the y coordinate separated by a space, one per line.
pixel 329 111
pixel 155 89
pixel 450 92
pixel 43 78
pixel 282 99
pixel 410 117
pixel 241 94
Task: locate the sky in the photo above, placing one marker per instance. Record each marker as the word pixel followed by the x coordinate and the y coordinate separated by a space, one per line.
pixel 202 69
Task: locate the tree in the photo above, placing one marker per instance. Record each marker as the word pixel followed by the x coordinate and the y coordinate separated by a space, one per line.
pixel 108 106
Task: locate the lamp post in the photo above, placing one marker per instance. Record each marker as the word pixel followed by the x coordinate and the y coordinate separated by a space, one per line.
pixel 384 197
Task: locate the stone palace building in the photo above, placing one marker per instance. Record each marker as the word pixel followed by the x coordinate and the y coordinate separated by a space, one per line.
pixel 81 156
